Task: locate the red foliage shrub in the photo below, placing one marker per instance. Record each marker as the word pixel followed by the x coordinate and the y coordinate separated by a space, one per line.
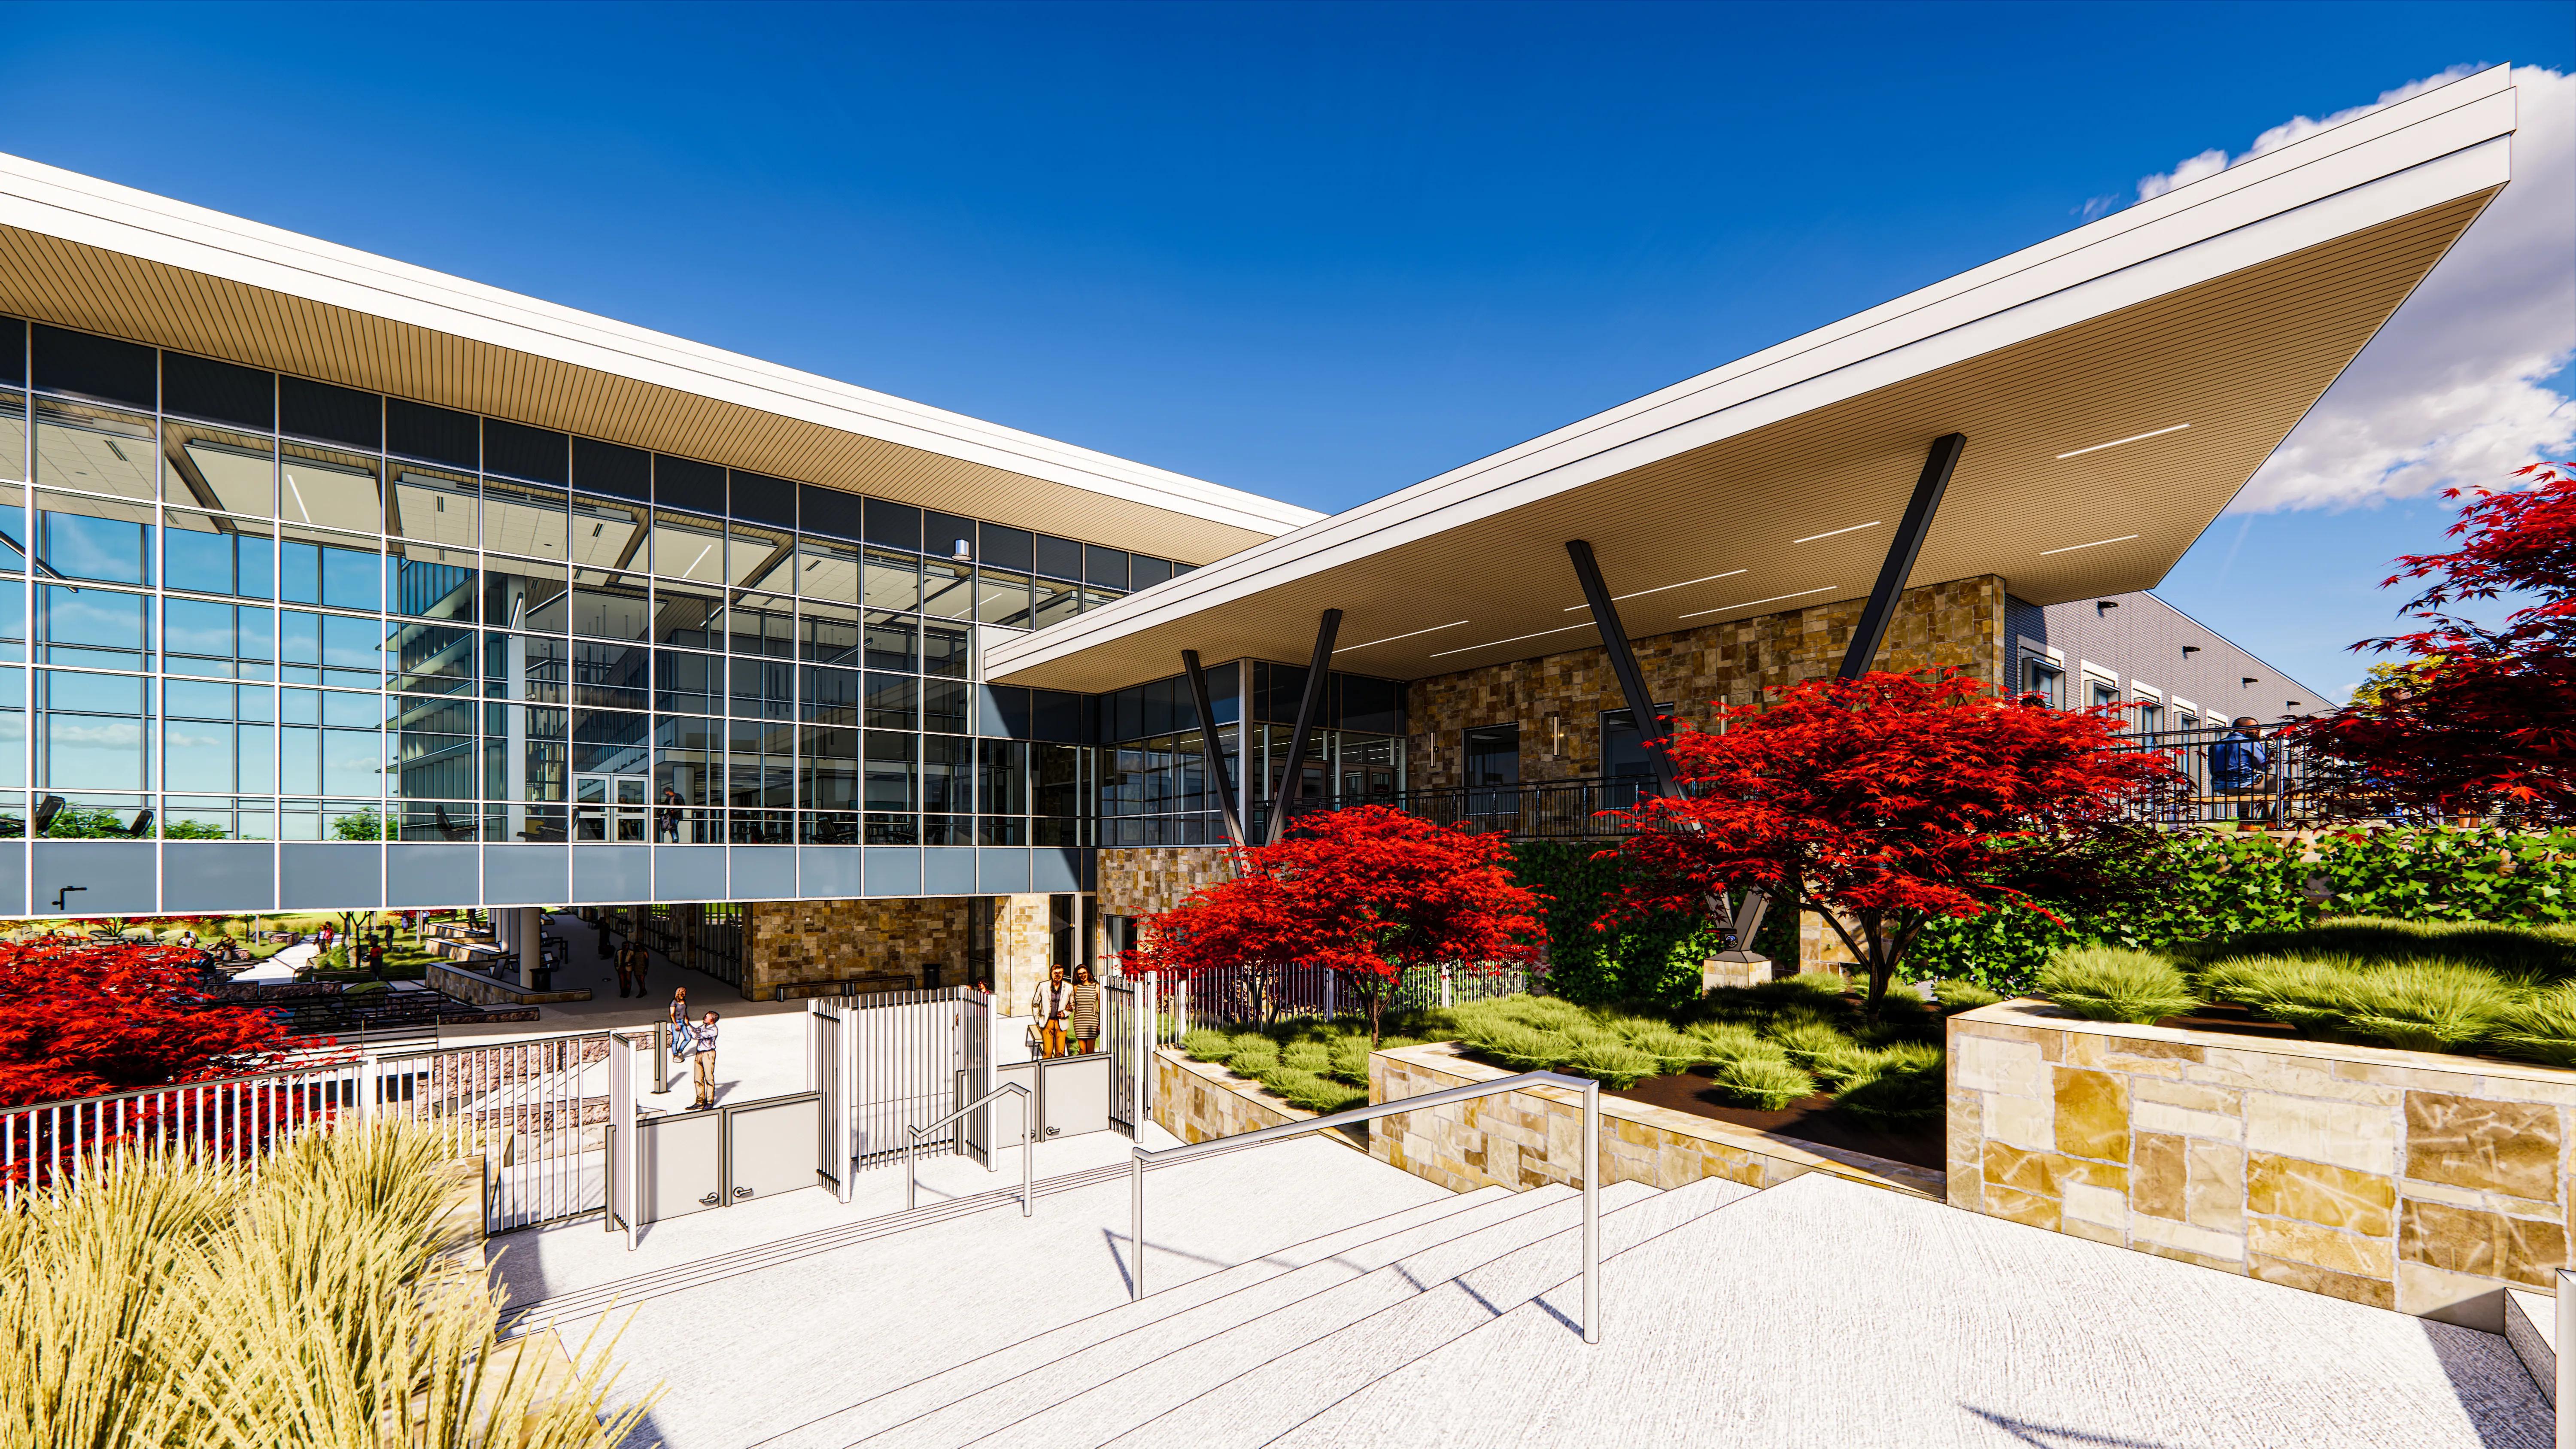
pixel 78 1019
pixel 1888 801
pixel 1367 893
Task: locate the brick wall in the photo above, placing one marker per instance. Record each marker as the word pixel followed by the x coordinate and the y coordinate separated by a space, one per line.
pixel 883 943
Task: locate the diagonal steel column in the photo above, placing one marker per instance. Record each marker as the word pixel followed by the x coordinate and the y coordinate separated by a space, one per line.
pixel 1293 784
pixel 1901 553
pixel 1623 661
pixel 1744 921
pixel 1208 741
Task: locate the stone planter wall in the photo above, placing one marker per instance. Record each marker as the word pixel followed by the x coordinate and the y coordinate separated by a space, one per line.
pixel 1524 1138
pixel 1195 1101
pixel 2406 1180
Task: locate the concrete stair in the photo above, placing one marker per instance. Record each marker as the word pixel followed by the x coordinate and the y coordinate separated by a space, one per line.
pixel 1241 1356
pixel 1818 1312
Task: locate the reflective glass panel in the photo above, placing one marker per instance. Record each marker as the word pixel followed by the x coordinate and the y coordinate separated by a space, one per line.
pixel 220 469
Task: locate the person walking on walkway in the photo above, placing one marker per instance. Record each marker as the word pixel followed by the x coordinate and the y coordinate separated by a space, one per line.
pixel 1052 1004
pixel 675 1028
pixel 702 1060
pixel 1083 1023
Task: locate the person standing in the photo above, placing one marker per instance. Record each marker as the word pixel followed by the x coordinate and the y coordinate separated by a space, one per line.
pixel 702 1060
pixel 1083 1022
pixel 1052 1004
pixel 675 1028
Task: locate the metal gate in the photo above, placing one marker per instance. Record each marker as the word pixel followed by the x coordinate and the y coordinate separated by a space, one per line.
pixel 1127 1003
pixel 896 1057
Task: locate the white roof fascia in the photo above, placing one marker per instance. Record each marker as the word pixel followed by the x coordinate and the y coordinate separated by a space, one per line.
pixel 2437 146
pixel 83 209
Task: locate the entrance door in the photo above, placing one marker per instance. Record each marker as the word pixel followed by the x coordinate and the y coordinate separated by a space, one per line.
pixel 608 809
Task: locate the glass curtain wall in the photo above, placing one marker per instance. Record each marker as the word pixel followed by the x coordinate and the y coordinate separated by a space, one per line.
pixel 1155 788
pixel 241 606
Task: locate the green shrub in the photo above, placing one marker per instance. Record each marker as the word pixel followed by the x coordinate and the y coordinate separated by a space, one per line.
pixel 1808 1038
pixel 2427 1006
pixel 2304 991
pixel 1768 1082
pixel 1307 1056
pixel 1958 996
pixel 2542 1027
pixel 1671 1050
pixel 1305 1089
pixel 1205 1045
pixel 1722 1041
pixel 1349 1059
pixel 1609 1061
pixel 2105 983
pixel 1894 1086
pixel 2538 951
pixel 1253 1054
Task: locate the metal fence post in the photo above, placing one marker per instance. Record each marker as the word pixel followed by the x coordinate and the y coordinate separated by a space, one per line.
pixel 1445 1002
pixel 1136 1225
pixel 1591 1212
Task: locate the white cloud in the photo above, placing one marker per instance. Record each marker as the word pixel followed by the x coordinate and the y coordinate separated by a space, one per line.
pixel 2454 389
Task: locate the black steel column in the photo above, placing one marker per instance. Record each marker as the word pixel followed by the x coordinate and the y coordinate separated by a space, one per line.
pixel 1208 740
pixel 1901 552
pixel 1623 663
pixel 1293 783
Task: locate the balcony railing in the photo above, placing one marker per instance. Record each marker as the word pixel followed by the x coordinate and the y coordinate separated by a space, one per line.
pixel 2286 789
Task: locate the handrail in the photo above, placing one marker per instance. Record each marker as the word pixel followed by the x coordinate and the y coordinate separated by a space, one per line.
pixel 1028 1141
pixel 1591 1167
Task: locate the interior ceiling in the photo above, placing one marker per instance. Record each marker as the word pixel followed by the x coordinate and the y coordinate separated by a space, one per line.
pixel 2239 358
pixel 72 284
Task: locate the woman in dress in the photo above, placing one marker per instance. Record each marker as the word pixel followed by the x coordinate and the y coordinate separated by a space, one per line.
pixel 1084 1027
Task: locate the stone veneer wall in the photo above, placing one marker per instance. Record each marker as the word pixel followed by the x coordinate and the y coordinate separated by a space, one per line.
pixel 1195 1101
pixel 880 943
pixel 1023 948
pixel 1523 1139
pixel 2406 1180
pixel 1960 623
pixel 1141 881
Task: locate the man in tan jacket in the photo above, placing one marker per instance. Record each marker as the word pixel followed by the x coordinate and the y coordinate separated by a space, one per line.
pixel 1052 1004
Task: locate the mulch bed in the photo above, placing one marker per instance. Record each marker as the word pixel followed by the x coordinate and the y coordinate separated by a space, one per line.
pixel 1810 1120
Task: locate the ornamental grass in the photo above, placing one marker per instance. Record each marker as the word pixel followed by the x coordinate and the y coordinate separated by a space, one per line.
pixel 2106 983
pixel 160 1303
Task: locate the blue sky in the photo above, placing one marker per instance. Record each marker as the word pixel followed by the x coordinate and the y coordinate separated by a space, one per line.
pixel 1319 252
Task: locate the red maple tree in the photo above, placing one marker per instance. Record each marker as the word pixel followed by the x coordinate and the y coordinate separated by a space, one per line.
pixel 2475 720
pixel 1883 803
pixel 78 1019
pixel 1367 893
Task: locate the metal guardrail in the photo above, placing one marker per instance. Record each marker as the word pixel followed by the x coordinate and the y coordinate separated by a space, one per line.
pixel 1591 1166
pixel 1028 1141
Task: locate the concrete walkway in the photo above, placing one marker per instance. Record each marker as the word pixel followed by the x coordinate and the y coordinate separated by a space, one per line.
pixel 754 1347
pixel 1822 1312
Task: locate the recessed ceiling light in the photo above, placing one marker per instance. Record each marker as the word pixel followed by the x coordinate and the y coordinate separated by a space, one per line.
pixel 1749 603
pixel 2115 442
pixel 1855 528
pixel 2097 543
pixel 1659 588
pixel 1391 638
pixel 1515 639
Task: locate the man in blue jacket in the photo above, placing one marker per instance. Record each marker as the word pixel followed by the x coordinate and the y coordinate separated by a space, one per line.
pixel 2241 764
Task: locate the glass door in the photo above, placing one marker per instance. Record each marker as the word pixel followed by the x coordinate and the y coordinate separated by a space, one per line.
pixel 608 809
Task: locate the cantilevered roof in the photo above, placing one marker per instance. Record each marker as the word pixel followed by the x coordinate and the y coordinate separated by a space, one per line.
pixel 83 253
pixel 2117 385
